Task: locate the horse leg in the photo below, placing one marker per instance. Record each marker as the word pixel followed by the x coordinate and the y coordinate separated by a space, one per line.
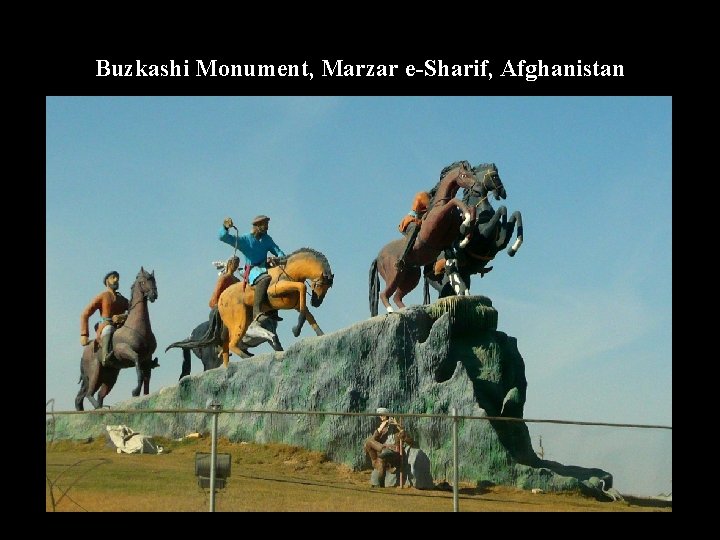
pixel 235 337
pixel 92 370
pixel 313 323
pixel 397 298
pixel 466 227
pixel 104 391
pixel 109 378
pixel 134 357
pixel 225 355
pixel 139 373
pixel 516 218
pixel 390 288
pixel 96 403
pixel 186 363
pixel 147 372
pixel 301 320
pixel 454 278
pixel 384 298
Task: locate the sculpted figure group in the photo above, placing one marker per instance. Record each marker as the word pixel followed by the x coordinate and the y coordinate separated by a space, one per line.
pixel 446 238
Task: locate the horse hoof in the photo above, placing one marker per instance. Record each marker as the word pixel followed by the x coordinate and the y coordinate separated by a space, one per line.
pixel 296 331
pixel 136 393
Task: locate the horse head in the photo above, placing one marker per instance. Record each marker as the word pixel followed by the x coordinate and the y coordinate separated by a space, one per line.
pixel 453 177
pixel 490 180
pixel 307 264
pixel 319 288
pixel 145 282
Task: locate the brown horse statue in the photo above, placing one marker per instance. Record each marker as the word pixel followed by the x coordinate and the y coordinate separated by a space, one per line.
pixel 133 346
pixel 287 290
pixel 446 219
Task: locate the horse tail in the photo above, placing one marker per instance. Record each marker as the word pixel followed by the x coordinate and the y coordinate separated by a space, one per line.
pixel 374 288
pixel 84 386
pixel 212 337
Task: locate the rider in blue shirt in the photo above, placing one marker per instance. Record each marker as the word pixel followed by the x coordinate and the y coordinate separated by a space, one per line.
pixel 255 246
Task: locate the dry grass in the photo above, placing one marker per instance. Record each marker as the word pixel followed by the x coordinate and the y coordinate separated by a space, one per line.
pixel 266 478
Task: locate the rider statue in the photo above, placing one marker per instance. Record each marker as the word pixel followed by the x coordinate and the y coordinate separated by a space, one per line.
pixel 410 224
pixel 113 308
pixel 227 278
pixel 255 246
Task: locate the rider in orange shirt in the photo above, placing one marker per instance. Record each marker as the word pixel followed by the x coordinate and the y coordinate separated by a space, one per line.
pixel 113 308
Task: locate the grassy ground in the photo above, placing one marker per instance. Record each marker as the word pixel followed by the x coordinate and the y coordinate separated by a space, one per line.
pixel 92 476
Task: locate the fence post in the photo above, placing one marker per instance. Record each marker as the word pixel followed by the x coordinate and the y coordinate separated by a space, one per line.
pixel 455 460
pixel 215 406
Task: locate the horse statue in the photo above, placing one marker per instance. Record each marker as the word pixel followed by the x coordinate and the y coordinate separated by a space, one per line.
pixel 133 346
pixel 450 275
pixel 445 219
pixel 260 331
pixel 287 290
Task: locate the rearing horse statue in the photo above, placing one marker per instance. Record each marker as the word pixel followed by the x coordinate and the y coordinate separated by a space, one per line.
pixel 446 218
pixel 133 346
pixel 450 275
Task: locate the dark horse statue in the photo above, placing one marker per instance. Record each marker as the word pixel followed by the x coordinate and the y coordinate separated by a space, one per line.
pixel 260 331
pixel 446 219
pixel 492 233
pixel 133 346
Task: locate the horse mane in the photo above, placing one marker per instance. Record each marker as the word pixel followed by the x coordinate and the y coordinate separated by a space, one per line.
pixel 325 264
pixel 443 174
pixel 455 165
pixel 484 167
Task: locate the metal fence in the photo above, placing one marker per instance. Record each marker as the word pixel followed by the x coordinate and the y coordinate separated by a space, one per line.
pixel 539 428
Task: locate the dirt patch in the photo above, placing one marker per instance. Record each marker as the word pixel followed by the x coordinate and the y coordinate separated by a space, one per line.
pixel 91 476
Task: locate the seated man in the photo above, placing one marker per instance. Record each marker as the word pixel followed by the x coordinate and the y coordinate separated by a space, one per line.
pixel 383 446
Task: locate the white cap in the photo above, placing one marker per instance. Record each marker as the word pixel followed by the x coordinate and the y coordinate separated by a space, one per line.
pixel 383 411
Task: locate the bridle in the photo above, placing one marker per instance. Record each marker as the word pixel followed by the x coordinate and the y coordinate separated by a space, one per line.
pixel 145 292
pixel 491 182
pixel 311 284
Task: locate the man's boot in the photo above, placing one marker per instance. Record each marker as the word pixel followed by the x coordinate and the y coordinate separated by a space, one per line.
pixel 273 314
pixel 261 287
pixel 106 351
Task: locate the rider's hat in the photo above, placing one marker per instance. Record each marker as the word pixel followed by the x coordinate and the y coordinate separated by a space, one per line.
pixel 259 219
pixel 382 411
pixel 113 273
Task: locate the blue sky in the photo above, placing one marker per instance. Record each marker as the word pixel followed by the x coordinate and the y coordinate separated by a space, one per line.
pixel 137 181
